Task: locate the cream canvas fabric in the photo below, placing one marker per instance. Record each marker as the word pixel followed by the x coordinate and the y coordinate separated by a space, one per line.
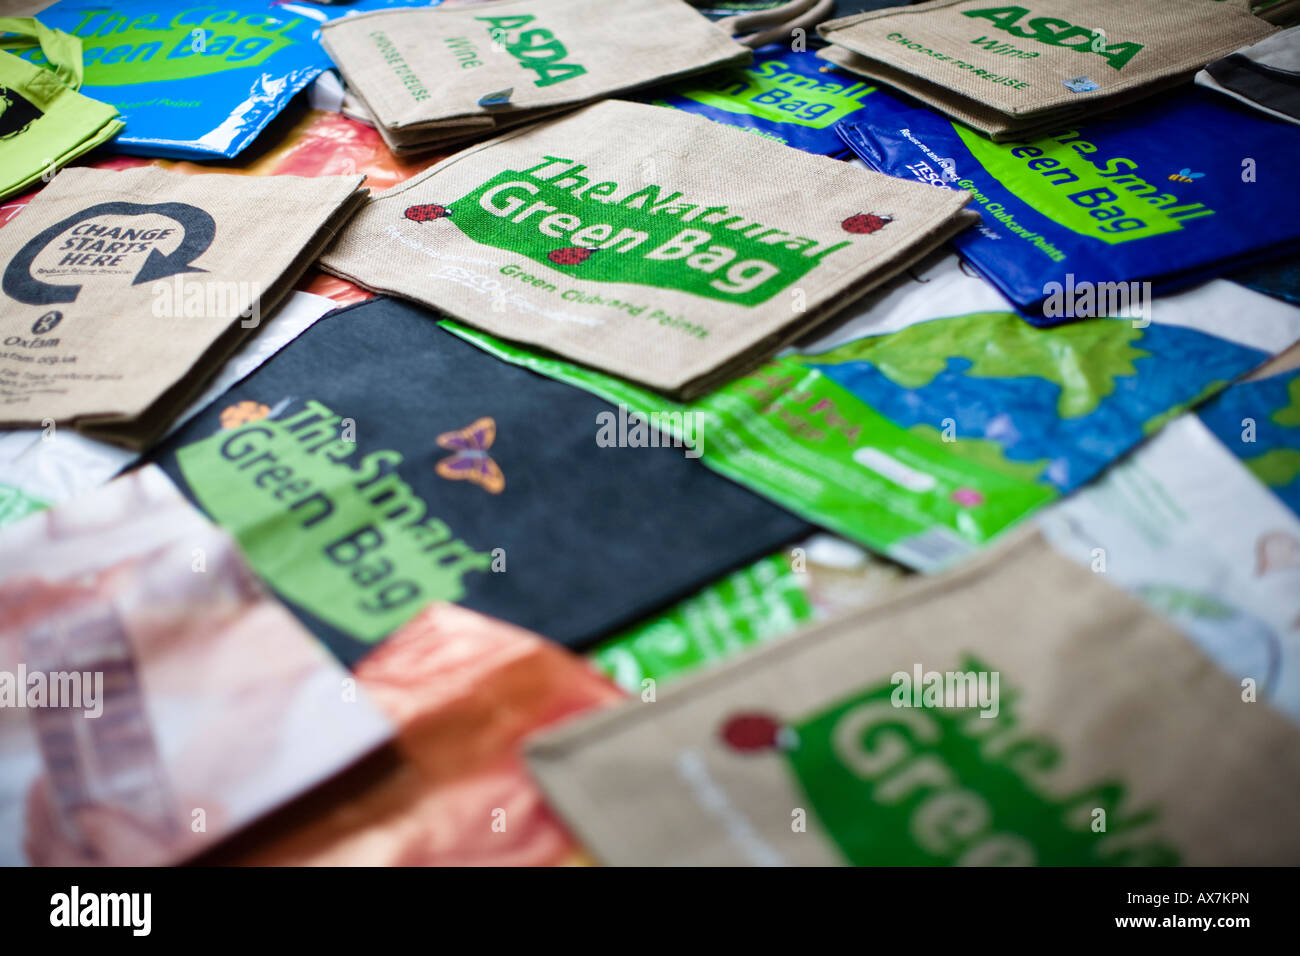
pixel 1105 738
pixel 643 241
pixel 1007 69
pixel 432 77
pixel 123 291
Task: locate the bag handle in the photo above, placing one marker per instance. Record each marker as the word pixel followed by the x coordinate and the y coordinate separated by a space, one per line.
pixel 62 50
pixel 779 21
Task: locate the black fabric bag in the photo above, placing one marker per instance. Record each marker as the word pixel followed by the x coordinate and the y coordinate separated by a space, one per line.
pixel 379 463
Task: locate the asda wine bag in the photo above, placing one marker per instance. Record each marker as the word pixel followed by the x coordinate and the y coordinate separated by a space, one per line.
pixel 1006 70
pixel 430 77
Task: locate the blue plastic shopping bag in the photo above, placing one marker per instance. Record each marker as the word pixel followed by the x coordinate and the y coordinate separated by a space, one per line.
pixel 791 97
pixel 196 80
pixel 1172 193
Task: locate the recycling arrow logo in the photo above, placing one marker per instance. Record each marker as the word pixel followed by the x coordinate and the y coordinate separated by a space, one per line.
pixel 199 231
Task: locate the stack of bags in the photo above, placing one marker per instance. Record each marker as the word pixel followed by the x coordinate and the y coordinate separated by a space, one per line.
pixel 1008 71
pixel 430 79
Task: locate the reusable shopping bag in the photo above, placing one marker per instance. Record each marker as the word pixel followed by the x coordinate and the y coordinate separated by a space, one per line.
pixel 430 77
pixel 122 292
pixel 602 237
pixel 1007 70
pixel 1171 194
pixel 379 463
pixel 1018 710
pixel 154 697
pixel 44 122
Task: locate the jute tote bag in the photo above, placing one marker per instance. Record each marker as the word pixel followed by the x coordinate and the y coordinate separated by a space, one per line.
pixel 1006 69
pixel 643 241
pixel 1018 710
pixel 122 291
pixel 430 77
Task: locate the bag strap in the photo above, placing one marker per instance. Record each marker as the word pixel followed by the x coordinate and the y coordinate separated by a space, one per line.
pixel 778 21
pixel 62 50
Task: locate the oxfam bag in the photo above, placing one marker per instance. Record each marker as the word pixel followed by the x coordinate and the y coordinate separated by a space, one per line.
pixel 1006 69
pixel 1172 194
pixel 642 263
pixel 44 122
pixel 965 719
pixel 122 291
pixel 36 473
pixel 429 77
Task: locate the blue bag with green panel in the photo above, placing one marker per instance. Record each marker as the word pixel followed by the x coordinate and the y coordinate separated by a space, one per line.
pixel 791 97
pixel 1172 193
pixel 196 80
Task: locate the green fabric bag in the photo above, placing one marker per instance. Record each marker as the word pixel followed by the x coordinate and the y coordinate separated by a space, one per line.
pixel 44 122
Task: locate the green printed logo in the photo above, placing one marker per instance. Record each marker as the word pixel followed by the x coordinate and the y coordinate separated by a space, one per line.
pixel 935 786
pixel 608 232
pixel 1054 32
pixel 536 50
pixel 121 49
pixel 348 541
pixel 1058 177
pixel 775 92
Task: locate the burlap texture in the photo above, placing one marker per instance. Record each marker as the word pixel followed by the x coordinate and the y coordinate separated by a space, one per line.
pixel 1007 69
pixel 423 72
pixel 1102 704
pixel 730 246
pixel 124 290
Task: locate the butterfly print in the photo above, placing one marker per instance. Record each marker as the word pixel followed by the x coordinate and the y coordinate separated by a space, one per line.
pixel 471 461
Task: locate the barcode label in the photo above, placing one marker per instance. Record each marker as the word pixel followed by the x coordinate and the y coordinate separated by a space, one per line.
pixel 932 549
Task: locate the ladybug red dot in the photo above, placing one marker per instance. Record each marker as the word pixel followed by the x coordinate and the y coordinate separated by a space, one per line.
pixel 570 256
pixel 426 212
pixel 865 223
pixel 751 732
